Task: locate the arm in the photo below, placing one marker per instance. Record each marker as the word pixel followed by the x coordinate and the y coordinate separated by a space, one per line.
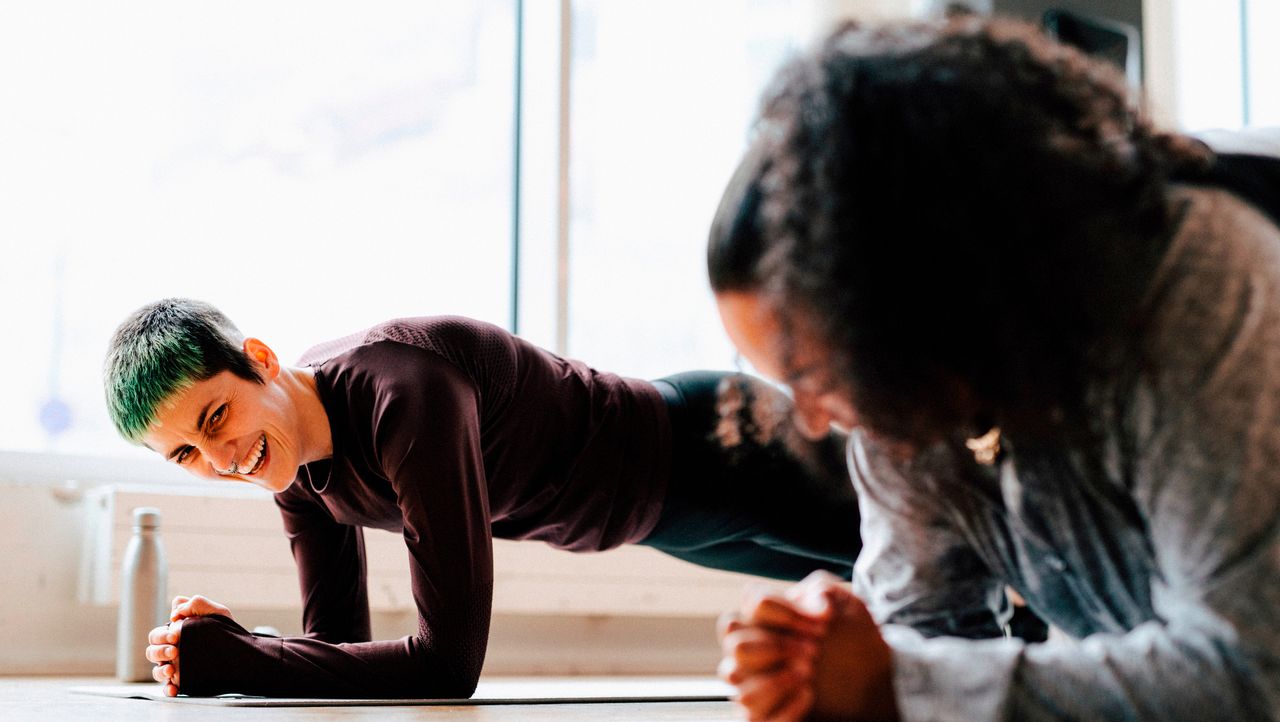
pixel 1211 658
pixel 917 567
pixel 331 569
pixel 1212 655
pixel 925 583
pixel 425 439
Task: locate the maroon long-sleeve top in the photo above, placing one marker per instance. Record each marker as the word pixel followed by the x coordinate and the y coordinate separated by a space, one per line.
pixel 451 432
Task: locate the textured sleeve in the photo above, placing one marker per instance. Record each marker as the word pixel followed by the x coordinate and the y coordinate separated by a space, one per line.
pixel 1207 482
pixel 940 607
pixel 331 569
pixel 428 442
pixel 1213 653
pixel 425 438
pixel 917 568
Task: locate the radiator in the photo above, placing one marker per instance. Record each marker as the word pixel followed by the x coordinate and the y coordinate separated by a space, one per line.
pixel 230 546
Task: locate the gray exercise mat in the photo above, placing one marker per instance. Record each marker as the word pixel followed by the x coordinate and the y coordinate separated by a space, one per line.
pixel 523 690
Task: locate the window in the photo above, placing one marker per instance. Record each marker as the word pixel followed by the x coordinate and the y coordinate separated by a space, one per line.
pixel 310 168
pixel 1226 64
pixel 1262 55
pixel 663 94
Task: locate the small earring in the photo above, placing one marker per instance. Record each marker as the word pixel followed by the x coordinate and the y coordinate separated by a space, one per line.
pixel 985 448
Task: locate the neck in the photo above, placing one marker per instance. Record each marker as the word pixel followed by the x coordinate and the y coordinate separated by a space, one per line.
pixel 316 437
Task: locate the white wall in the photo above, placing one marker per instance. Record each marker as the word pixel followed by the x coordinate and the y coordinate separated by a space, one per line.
pixel 42 626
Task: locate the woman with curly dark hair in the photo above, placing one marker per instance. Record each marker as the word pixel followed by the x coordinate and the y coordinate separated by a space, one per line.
pixel 1062 367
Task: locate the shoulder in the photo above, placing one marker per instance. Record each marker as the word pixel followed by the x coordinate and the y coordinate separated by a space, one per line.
pixel 387 370
pixel 385 395
pixel 428 360
pixel 1209 340
pixel 447 336
pixel 1222 244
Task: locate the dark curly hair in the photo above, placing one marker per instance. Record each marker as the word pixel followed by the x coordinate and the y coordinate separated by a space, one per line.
pixel 961 211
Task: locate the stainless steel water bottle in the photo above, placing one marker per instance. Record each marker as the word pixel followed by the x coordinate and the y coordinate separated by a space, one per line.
pixel 143 596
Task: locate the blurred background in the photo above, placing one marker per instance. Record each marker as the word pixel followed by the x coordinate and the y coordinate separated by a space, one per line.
pixel 314 168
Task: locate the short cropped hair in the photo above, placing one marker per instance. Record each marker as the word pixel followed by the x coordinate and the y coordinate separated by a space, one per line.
pixel 163 348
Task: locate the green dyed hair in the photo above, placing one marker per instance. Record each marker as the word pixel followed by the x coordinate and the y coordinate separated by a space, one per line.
pixel 163 348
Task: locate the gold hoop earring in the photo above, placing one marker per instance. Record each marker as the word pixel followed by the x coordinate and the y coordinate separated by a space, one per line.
pixel 985 448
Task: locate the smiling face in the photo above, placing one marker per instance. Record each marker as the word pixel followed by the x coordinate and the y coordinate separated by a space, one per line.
pixel 757 332
pixel 228 427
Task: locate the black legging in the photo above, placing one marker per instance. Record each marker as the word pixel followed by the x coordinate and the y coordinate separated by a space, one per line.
pixel 777 510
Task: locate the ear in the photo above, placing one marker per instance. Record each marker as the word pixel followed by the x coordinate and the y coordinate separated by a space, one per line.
pixel 262 357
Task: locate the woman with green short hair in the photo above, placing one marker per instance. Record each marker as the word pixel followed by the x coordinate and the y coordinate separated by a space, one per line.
pixel 452 432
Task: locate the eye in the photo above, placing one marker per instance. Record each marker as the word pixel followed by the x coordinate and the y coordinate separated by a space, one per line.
pixel 183 456
pixel 215 419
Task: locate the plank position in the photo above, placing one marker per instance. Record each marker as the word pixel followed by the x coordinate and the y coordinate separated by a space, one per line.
pixel 1057 333
pixel 452 432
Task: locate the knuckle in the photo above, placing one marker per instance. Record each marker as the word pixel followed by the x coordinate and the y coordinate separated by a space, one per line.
pixel 815 577
pixel 734 640
pixel 728 670
pixel 747 650
pixel 725 622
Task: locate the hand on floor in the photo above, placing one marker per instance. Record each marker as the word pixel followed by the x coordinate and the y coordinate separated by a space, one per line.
pixel 163 641
pixel 196 606
pixel 853 674
pixel 813 650
pixel 770 645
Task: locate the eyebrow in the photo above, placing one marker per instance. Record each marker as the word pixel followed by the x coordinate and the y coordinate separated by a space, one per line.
pixel 199 425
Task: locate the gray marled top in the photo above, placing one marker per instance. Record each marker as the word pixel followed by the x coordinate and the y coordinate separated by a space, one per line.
pixel 1157 553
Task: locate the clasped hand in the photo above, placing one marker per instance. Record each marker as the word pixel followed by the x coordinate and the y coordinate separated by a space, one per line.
pixel 163 641
pixel 810 652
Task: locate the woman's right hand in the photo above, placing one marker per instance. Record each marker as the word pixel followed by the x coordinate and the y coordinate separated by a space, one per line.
pixel 197 606
pixel 771 646
pixel 163 641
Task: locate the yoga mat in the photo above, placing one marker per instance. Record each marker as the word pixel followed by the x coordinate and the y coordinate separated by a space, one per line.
pixel 524 690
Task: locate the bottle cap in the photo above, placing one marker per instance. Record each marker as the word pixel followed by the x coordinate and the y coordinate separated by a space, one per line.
pixel 146 517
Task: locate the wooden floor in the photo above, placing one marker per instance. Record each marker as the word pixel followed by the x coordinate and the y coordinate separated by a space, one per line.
pixel 48 698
